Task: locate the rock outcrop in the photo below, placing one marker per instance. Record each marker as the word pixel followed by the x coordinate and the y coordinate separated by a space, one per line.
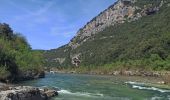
pixel 26 93
pixel 75 59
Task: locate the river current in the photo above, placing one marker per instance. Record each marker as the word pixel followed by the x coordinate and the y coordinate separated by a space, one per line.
pixel 94 87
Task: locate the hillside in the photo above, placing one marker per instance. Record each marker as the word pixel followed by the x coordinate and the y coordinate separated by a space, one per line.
pixel 129 34
pixel 17 60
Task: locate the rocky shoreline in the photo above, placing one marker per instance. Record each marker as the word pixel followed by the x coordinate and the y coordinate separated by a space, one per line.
pixel 25 93
pixel 13 92
pixel 22 76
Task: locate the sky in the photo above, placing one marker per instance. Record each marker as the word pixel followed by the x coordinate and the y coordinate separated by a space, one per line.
pixel 49 24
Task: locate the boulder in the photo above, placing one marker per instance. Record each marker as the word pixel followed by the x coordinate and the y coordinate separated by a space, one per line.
pixel 51 93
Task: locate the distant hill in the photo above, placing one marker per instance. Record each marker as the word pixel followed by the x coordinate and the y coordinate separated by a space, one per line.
pixel 129 34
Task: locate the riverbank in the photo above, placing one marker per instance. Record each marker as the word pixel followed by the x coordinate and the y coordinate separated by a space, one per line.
pixel 162 75
pixel 22 76
pixel 11 92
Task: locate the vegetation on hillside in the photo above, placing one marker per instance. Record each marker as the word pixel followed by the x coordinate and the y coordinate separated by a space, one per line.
pixel 62 52
pixel 147 38
pixel 16 56
pixel 141 44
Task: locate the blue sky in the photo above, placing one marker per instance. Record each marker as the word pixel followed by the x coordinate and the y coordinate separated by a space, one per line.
pixel 48 24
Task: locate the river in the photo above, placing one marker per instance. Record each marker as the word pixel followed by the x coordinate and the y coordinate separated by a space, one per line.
pixel 94 87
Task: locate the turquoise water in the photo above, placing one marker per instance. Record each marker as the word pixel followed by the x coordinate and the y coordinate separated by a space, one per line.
pixel 89 87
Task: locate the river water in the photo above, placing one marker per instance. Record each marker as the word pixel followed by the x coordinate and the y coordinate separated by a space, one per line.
pixel 93 87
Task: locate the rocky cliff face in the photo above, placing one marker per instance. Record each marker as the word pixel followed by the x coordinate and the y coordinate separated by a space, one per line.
pixel 120 12
pixel 123 11
pixel 116 13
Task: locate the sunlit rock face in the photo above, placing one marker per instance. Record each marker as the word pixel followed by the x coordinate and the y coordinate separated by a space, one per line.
pixel 120 12
pixel 117 13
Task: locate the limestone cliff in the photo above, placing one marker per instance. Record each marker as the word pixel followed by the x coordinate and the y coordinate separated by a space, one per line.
pixel 120 12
